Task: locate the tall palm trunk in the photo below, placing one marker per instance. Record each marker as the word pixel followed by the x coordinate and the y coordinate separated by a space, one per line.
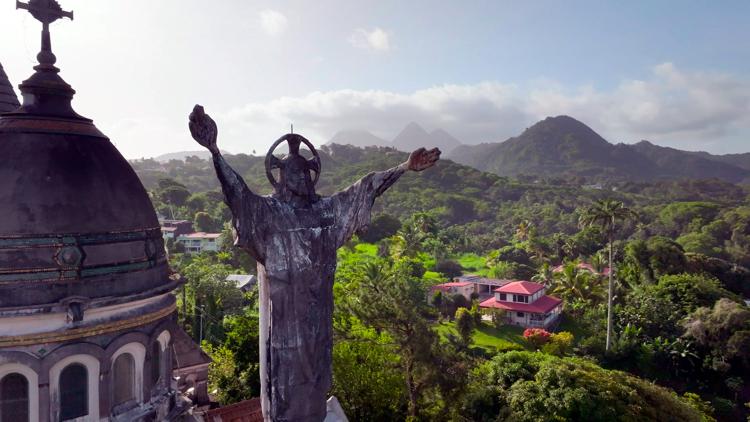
pixel 411 389
pixel 609 292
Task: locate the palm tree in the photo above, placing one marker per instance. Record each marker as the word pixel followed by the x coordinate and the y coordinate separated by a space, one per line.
pixel 408 241
pixel 544 274
pixel 605 213
pixel 525 230
pixel 578 287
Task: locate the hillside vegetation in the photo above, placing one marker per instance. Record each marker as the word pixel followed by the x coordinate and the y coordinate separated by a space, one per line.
pixel 563 146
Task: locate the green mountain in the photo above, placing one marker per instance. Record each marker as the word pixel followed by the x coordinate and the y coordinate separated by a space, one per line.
pixel 563 147
pixel 484 207
pixel 739 160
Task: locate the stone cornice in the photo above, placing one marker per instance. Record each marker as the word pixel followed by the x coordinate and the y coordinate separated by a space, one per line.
pixel 77 333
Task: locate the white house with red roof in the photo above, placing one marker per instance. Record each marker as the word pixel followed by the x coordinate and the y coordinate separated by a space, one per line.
pixel 465 285
pixel 526 304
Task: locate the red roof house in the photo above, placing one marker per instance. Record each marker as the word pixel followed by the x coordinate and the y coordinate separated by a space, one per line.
pixel 463 288
pixel 526 304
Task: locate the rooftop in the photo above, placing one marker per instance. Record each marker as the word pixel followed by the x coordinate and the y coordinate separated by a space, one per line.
pixel 472 278
pixel 542 305
pixel 520 288
pixel 242 281
pixel 201 235
pixel 454 284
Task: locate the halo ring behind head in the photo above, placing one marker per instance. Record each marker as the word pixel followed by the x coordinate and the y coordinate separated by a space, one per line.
pixel 290 137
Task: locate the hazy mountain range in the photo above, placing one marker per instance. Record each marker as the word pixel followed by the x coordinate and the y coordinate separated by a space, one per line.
pixel 555 147
pixel 410 138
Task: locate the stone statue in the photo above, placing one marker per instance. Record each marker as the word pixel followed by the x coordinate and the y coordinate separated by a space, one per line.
pixel 294 234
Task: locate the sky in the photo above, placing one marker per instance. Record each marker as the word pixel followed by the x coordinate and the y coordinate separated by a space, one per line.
pixel 676 73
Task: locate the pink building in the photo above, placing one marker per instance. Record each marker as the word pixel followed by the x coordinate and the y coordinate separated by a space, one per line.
pixel 526 304
pixel 463 288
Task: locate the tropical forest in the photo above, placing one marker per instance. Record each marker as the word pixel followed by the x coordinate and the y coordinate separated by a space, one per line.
pixel 652 274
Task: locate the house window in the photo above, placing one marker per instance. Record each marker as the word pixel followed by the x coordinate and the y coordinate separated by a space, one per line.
pixel 14 398
pixel 73 392
pixel 123 380
pixel 521 298
pixel 503 296
pixel 520 314
pixel 155 361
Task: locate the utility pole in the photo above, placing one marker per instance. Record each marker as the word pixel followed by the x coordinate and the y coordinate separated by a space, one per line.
pixel 201 324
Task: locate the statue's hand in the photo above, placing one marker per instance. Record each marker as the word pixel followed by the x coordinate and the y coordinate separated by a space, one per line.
pixel 422 159
pixel 203 128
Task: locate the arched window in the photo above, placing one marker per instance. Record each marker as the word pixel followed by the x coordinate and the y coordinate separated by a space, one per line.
pixel 155 361
pixel 123 379
pixel 14 398
pixel 74 392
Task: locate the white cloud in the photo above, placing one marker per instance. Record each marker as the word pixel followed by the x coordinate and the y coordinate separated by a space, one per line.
pixel 273 22
pixel 676 107
pixel 376 39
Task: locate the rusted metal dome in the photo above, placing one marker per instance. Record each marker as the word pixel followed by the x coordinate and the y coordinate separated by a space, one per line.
pixel 75 221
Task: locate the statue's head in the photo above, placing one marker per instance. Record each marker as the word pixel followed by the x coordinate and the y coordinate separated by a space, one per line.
pixel 296 184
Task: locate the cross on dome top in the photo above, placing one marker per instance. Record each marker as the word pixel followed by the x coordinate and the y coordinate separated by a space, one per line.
pixel 45 92
pixel 46 12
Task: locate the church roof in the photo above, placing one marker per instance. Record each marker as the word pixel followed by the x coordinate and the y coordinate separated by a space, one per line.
pixel 76 220
pixel 8 99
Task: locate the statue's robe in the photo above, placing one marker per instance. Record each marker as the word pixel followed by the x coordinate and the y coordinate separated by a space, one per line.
pixel 296 253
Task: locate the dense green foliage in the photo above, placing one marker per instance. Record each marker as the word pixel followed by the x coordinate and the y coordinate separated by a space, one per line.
pixel 678 317
pixel 524 386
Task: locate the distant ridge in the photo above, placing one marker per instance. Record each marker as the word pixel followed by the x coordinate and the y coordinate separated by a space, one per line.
pixel 357 138
pixel 563 147
pixel 413 136
pixel 181 155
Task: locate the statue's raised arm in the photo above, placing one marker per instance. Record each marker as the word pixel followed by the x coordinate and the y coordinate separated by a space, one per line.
pixel 204 131
pixel 354 204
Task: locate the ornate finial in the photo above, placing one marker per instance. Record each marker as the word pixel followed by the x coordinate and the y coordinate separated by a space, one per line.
pixel 291 128
pixel 45 92
pixel 46 12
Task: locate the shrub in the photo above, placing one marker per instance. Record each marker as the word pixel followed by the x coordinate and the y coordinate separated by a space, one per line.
pixel 464 324
pixel 559 344
pixel 449 268
pixel 536 336
pixel 539 387
pixel 497 316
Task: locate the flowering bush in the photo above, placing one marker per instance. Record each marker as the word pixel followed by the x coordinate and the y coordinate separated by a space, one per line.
pixel 536 336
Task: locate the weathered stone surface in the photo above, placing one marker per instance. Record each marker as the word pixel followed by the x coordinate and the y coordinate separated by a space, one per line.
pixel 294 234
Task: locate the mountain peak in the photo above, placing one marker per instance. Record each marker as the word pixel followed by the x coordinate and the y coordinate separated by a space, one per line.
pixel 563 146
pixel 563 129
pixel 357 138
pixel 413 127
pixel 414 136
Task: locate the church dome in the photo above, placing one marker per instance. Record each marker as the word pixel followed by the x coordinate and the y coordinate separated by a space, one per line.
pixel 8 99
pixel 76 220
pixel 88 320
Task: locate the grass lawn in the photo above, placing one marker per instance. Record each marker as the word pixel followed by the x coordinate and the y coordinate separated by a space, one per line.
pixel 471 262
pixel 509 337
pixel 367 248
